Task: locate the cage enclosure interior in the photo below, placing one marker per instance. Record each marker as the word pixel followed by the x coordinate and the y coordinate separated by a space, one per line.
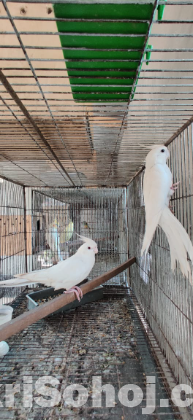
pixel 88 87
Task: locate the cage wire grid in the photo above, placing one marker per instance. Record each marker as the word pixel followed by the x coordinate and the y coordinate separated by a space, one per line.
pixel 48 141
pixel 103 339
pixel 57 141
pixel 166 297
pixel 39 228
pixel 60 214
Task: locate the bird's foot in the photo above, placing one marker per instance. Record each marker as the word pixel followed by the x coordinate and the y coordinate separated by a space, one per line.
pixel 175 186
pixel 77 291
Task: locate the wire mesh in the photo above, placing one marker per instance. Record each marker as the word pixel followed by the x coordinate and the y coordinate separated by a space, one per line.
pixel 58 214
pixel 96 144
pixel 12 237
pixel 103 339
pixel 166 297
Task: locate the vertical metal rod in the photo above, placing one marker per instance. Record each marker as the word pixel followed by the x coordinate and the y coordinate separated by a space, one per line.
pixel 25 227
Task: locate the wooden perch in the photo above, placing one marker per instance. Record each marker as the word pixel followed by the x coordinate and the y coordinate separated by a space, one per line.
pixel 27 318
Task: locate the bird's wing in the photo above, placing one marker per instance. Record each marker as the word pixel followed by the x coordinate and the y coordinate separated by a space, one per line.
pixel 157 183
pixel 65 274
pixel 156 187
pixel 38 276
pixel 71 271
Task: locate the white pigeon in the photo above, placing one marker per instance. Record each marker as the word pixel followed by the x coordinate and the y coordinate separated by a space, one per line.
pixel 64 275
pixel 158 189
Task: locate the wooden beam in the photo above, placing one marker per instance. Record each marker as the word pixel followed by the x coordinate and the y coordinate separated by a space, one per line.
pixel 27 318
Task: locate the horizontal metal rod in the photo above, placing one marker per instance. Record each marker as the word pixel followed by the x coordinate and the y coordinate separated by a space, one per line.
pixel 50 60
pixel 39 47
pixel 60 19
pixel 98 92
pixel 106 86
pixel 102 119
pixel 175 3
pixel 50 69
pixel 146 108
pixel 55 19
pixel 170 22
pixel 102 102
pixel 91 34
pixel 128 70
pixel 132 35
pixel 94 77
pixel 28 318
pixel 106 107
pixel 141 120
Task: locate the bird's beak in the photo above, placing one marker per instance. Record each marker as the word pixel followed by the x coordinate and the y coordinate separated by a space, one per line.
pixel 168 154
pixel 96 250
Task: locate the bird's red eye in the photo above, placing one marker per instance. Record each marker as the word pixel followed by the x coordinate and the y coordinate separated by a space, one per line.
pixel 89 247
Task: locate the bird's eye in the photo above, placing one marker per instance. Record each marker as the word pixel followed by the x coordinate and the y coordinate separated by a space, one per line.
pixel 162 150
pixel 89 247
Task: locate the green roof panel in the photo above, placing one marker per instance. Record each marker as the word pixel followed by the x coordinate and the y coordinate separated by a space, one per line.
pixel 94 38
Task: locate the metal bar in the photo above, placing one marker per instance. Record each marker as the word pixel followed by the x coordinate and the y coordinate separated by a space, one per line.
pixel 30 119
pixel 102 85
pixel 28 318
pixel 55 19
pixel 95 77
pixel 20 167
pixel 74 60
pixel 169 2
pixel 88 34
pixel 25 229
pixel 170 140
pixel 101 92
pixel 174 21
pixel 179 131
pixel 39 86
pixel 84 69
pixel 73 33
pixel 11 180
pixel 37 47
pixel 158 354
pixel 117 146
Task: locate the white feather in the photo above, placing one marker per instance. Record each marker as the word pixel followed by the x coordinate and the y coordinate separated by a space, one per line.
pixel 65 274
pixel 157 193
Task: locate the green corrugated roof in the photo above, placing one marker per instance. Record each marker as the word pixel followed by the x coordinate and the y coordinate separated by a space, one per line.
pixel 102 35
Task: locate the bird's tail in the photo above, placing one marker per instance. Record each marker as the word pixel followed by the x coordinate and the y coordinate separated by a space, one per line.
pixel 149 231
pixel 15 283
pixel 179 241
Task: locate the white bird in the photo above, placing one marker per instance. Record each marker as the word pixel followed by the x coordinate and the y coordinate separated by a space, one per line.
pixel 64 275
pixel 158 189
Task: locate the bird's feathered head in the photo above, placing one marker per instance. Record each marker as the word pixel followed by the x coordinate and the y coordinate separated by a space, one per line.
pixel 158 155
pixel 89 244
